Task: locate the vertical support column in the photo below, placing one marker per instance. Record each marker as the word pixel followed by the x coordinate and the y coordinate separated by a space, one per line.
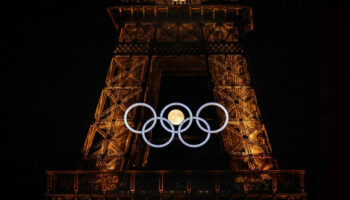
pixel 251 19
pixel 132 182
pixel 188 183
pixel 246 183
pixel 217 183
pixel 76 183
pixel 132 12
pixel 160 183
pixel 104 184
pixel 245 138
pixel 124 81
pixel 274 183
pixel 143 13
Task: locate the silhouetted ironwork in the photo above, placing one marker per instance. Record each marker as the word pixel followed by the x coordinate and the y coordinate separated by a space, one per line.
pixel 163 184
pixel 195 37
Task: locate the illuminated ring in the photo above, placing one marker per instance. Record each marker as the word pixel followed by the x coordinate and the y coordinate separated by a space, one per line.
pixel 158 145
pixel 177 104
pixel 145 105
pixel 193 145
pixel 212 104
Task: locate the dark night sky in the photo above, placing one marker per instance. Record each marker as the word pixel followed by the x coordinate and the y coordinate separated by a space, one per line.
pixel 58 55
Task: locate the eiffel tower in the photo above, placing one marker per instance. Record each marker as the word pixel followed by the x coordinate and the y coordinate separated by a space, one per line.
pixel 182 50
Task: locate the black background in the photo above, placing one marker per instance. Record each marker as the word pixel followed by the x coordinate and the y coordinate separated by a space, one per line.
pixel 57 56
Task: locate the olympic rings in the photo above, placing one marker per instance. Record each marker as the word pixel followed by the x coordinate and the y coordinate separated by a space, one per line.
pixel 176 104
pixel 212 104
pixel 135 105
pixel 193 145
pixel 172 130
pixel 158 145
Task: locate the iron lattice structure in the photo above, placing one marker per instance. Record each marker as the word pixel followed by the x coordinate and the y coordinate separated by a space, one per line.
pixel 202 37
pixel 183 37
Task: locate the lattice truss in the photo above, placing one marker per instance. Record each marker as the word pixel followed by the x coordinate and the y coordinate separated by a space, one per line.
pixel 225 32
pixel 178 32
pixel 245 138
pixel 108 139
pixel 132 32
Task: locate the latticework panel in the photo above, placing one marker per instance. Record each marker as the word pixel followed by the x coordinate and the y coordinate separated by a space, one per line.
pixel 176 32
pixel 177 38
pixel 140 32
pixel 226 32
pixel 245 138
pixel 108 139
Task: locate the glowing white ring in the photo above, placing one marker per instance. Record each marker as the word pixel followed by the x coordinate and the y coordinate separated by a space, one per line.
pixel 158 145
pixel 193 145
pixel 177 104
pixel 133 106
pixel 212 104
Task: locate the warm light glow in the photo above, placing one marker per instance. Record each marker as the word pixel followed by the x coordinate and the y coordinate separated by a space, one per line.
pixel 176 116
pixel 179 2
